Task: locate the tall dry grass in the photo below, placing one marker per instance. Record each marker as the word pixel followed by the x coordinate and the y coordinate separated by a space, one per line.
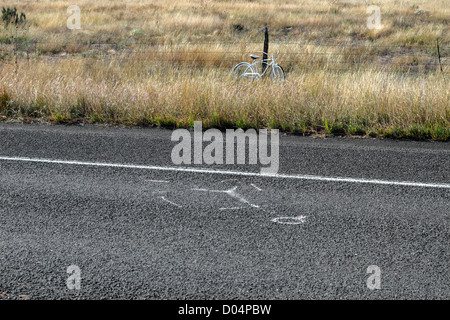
pixel 182 22
pixel 365 102
pixel 161 62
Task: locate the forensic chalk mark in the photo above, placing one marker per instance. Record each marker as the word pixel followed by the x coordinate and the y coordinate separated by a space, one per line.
pixel 159 192
pixel 228 180
pixel 290 220
pixel 232 193
pixel 259 189
pixel 173 203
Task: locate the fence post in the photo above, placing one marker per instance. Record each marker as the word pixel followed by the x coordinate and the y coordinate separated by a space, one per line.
pixel 266 48
pixel 16 49
pixel 439 58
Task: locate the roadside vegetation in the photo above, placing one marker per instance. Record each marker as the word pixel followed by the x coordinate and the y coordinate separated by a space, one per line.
pixel 168 63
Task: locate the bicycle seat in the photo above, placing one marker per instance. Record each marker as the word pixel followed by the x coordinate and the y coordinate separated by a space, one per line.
pixel 254 57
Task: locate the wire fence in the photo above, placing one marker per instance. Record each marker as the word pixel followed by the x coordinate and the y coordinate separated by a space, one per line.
pixel 149 43
pixel 227 53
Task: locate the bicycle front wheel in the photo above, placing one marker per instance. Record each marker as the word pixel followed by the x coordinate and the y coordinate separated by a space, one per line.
pixel 244 71
pixel 277 73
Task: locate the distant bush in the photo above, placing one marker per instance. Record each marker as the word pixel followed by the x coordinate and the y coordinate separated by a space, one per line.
pixel 11 16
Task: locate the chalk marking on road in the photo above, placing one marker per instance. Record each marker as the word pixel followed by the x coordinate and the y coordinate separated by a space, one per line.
pixel 173 203
pixel 236 173
pixel 228 180
pixel 208 190
pixel 159 192
pixel 290 220
pixel 259 189
pixel 232 193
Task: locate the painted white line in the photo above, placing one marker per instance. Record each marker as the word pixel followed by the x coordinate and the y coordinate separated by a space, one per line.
pixel 255 187
pixel 173 203
pixel 236 173
pixel 233 208
pixel 158 181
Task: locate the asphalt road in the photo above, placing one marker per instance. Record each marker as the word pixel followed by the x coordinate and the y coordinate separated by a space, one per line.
pixel 111 202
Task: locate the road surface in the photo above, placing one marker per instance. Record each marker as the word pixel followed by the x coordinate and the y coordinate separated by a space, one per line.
pixel 111 202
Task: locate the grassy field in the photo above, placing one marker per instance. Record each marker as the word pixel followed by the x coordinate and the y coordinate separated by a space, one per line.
pixel 169 63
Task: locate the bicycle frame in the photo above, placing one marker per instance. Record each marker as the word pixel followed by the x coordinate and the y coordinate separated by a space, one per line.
pixel 269 65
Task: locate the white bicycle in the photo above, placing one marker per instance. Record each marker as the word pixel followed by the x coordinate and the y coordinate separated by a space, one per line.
pixel 248 71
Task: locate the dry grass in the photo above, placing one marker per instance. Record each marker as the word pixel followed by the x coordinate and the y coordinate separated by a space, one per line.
pixel 187 21
pixel 168 63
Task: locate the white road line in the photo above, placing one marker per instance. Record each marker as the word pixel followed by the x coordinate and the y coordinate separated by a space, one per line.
pixel 158 181
pixel 236 173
